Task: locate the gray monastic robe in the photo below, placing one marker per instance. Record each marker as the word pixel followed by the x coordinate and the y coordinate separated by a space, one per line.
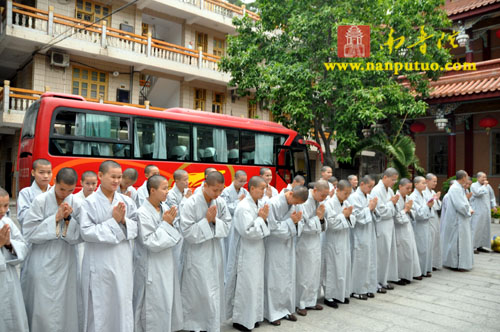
pixel 245 267
pixel 12 311
pixel 202 284
pixel 157 295
pixel 132 190
pixel 232 197
pixel 435 228
pixel 176 198
pixel 408 262
pixel 279 272
pixel 108 256
pixel 456 234
pixel 142 194
pixel 387 260
pixel 421 216
pixel 363 245
pixel 337 280
pixel 25 198
pixel 482 201
pixel 308 255
pixel 50 273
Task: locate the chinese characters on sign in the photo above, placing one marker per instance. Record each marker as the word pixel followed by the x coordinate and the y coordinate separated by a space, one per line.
pixel 353 41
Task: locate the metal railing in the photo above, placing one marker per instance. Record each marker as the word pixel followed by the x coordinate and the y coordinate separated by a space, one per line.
pixel 223 8
pixel 18 99
pixel 53 24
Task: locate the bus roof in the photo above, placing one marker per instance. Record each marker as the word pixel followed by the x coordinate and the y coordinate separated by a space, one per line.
pixel 53 100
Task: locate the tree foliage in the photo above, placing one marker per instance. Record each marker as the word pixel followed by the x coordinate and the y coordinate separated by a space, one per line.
pixel 281 57
pixel 400 153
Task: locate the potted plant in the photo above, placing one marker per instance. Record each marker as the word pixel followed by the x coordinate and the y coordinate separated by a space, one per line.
pixel 495 215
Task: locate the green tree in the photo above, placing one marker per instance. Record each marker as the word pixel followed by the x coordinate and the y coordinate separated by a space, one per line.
pixel 281 57
pixel 400 153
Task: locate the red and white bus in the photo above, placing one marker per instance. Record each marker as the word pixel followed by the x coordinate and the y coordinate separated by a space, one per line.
pixel 72 132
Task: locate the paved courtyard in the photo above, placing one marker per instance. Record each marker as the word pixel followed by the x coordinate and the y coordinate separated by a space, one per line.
pixel 449 301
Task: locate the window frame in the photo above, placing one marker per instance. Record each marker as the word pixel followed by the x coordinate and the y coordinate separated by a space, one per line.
pixel 202 101
pixel 74 138
pixel 131 118
pixel 219 51
pixel 204 41
pixel 221 103
pixel 89 82
pixel 92 11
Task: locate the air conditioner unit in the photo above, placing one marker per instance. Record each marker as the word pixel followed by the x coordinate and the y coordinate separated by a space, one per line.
pixel 59 59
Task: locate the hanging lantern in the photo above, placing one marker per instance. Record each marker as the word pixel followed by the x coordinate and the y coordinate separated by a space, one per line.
pixel 441 123
pixel 417 127
pixel 488 123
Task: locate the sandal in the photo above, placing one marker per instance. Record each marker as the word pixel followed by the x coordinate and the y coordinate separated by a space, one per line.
pixel 359 296
pixel 291 318
pixel 370 295
pixel 276 322
pixel 316 307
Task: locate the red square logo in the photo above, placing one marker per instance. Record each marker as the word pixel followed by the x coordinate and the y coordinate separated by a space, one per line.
pixel 353 41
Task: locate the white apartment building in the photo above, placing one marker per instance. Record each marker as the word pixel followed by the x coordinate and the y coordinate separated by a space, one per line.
pixel 161 52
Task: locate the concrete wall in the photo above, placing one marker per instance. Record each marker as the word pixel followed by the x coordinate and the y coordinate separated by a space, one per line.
pixel 59 79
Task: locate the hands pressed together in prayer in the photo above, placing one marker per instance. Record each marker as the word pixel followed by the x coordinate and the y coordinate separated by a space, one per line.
pixel 296 216
pixel 320 211
pixel 347 211
pixel 211 214
pixel 169 215
pixel 264 212
pixel 395 199
pixel 373 203
pixel 119 213
pixel 63 212
pixel 5 235
pixel 408 206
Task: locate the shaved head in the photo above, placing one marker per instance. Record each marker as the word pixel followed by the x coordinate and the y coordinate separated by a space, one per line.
pixel 255 181
pixel 130 173
pixel 107 165
pixel 321 185
pixel 343 184
pixel 155 181
pixel 179 174
pixel 41 162
pixel 214 178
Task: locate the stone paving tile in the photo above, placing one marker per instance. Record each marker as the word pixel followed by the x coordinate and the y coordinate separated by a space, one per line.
pixel 449 301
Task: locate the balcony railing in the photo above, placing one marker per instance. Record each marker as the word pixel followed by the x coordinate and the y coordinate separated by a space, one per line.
pixel 223 8
pixel 18 100
pixel 55 25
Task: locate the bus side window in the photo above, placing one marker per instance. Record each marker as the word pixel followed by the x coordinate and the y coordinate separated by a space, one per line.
pixel 213 144
pixel 90 134
pixel 150 139
pixel 257 148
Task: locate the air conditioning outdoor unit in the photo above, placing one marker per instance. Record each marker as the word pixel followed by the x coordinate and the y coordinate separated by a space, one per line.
pixel 59 59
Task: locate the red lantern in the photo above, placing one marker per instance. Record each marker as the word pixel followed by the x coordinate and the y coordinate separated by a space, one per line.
pixel 417 127
pixel 497 33
pixel 488 123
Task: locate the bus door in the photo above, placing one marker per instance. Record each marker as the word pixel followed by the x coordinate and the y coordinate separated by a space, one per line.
pixel 291 161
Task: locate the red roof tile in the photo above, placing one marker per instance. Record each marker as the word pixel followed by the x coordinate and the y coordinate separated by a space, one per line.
pixel 485 79
pixel 461 6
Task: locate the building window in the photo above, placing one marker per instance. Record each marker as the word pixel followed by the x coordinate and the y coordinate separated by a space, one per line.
pixel 438 154
pixel 495 149
pixel 145 29
pixel 92 11
pixel 252 109
pixel 89 83
pixel 218 47
pixel 202 41
pixel 218 103
pixel 200 97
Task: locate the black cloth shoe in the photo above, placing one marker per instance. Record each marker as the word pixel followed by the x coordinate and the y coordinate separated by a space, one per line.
pixel 331 304
pixel 346 301
pixel 240 327
pixel 381 291
pixel 400 282
pixel 370 295
pixel 406 281
pixel 481 249
pixel 388 287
